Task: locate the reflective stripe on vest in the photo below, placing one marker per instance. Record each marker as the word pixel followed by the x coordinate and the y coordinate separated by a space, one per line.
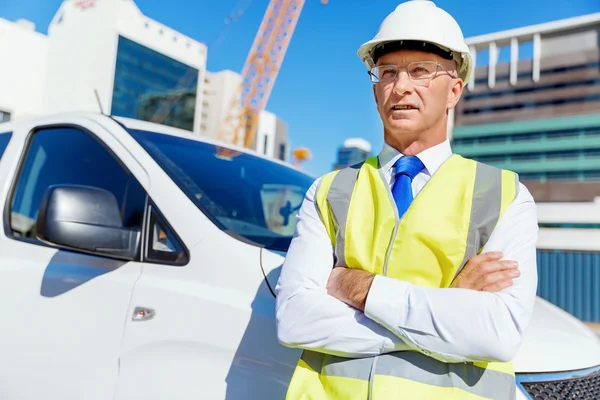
pixel 449 222
pixel 416 367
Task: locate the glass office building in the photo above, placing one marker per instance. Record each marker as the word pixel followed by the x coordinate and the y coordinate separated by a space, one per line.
pixel 153 87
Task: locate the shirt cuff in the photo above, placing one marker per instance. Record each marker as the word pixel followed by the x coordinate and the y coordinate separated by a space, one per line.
pixel 387 302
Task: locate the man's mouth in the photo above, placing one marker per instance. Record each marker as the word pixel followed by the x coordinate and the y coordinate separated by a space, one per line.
pixel 404 107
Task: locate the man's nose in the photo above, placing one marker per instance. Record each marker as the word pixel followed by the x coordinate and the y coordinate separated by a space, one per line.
pixel 403 83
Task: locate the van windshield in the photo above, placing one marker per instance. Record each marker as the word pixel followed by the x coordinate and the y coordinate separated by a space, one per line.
pixel 250 198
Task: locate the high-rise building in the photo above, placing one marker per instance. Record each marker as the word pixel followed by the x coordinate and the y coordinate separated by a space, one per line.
pixel 353 151
pixel 535 107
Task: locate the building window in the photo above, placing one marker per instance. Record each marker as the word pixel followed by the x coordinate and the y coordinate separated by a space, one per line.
pixel 534 89
pixel 524 157
pixel 282 151
pixel 153 87
pixel 493 139
pixel 493 158
pixel 527 136
pixel 266 143
pixel 534 104
pixel 559 175
pixel 552 70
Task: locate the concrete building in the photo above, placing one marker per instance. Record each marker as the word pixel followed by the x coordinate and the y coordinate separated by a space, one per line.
pixel 533 107
pixel 107 55
pixel 220 89
pixel 271 137
pixel 537 115
pixel 353 151
pixel 23 69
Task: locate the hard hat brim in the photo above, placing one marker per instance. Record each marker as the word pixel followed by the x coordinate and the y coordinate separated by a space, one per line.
pixel 463 58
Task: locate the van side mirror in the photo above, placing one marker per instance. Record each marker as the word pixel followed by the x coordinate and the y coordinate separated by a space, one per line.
pixel 87 219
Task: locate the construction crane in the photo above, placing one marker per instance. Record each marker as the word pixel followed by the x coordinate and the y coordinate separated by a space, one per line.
pixel 259 74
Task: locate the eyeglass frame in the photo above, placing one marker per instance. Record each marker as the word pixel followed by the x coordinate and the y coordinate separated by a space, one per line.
pixel 398 67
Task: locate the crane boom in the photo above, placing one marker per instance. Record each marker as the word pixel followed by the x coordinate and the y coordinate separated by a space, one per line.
pixel 260 71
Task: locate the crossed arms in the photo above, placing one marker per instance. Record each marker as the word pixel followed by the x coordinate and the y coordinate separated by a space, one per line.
pixel 352 313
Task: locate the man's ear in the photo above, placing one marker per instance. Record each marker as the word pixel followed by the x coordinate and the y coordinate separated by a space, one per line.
pixel 375 96
pixel 455 93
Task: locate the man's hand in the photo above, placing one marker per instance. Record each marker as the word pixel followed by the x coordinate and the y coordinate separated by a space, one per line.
pixel 487 272
pixel 350 286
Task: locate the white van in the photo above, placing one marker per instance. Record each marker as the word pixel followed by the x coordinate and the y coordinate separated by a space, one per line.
pixel 138 262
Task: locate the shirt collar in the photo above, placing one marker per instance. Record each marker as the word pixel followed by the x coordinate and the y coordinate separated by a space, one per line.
pixel 432 157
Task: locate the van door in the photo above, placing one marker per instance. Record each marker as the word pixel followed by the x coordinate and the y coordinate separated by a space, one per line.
pixel 63 312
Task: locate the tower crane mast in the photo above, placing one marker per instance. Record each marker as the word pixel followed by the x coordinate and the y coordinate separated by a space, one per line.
pixel 260 72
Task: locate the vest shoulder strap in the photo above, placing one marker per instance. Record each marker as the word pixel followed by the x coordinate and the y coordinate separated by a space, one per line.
pixel 333 201
pixel 494 189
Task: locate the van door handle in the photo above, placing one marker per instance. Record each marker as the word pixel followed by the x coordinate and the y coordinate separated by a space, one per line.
pixel 143 314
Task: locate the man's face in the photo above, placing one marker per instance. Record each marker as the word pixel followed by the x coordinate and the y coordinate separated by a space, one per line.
pixel 410 108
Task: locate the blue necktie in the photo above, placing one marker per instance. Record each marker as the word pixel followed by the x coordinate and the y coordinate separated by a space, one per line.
pixel 405 169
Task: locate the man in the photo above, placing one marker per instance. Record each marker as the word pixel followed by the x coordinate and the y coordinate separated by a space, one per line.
pixel 412 275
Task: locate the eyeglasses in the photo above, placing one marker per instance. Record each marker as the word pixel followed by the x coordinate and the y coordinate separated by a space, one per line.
pixel 420 73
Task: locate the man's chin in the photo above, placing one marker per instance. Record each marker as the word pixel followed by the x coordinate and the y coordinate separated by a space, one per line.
pixel 400 126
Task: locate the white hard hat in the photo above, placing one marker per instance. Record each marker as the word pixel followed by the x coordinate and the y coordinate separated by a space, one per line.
pixel 420 24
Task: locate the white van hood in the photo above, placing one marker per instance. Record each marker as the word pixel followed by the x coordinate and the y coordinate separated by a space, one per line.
pixel 555 341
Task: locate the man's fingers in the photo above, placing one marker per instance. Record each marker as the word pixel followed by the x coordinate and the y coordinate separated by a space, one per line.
pixel 481 259
pixel 498 286
pixel 474 271
pixel 501 265
pixel 491 279
pixel 486 257
pixel 478 273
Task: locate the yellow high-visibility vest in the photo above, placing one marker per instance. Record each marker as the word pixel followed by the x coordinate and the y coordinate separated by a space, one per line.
pixel 447 223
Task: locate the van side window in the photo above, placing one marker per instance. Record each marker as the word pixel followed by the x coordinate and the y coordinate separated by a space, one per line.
pixel 4 139
pixel 67 155
pixel 164 246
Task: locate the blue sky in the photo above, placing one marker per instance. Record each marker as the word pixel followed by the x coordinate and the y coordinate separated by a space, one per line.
pixel 322 91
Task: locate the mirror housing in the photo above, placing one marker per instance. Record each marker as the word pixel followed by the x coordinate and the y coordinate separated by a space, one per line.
pixel 88 219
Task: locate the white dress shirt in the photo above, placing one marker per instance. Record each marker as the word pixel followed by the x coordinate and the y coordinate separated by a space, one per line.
pixel 451 325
